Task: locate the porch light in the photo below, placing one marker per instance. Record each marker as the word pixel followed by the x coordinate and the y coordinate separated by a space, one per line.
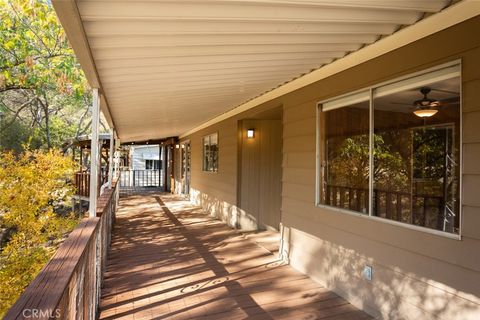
pixel 251 133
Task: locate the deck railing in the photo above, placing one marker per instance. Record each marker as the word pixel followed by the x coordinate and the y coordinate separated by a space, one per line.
pixel 140 178
pixel 68 286
pixel 389 204
pixel 82 182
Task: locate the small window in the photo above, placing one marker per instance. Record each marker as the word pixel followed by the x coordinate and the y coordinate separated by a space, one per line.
pixel 152 164
pixel 210 153
pixel 393 151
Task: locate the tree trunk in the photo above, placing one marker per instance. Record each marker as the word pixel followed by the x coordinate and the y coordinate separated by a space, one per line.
pixel 47 121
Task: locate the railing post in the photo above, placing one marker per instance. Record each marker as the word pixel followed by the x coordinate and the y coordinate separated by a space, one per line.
pixel 95 154
pixel 110 160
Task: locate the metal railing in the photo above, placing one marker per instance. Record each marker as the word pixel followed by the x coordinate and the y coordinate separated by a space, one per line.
pixel 69 285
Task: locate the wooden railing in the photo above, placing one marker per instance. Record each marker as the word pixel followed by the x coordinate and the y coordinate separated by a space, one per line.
pixel 82 182
pixel 140 178
pixel 388 204
pixel 69 285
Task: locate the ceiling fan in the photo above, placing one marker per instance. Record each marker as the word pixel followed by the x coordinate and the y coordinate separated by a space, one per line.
pixel 427 107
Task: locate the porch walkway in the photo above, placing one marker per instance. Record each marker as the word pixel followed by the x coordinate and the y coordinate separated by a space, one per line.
pixel 170 261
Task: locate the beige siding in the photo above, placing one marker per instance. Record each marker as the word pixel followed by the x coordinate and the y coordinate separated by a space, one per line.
pixel 417 275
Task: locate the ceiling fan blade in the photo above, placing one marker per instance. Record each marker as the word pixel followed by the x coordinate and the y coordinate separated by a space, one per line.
pixel 450 100
pixel 445 91
pixel 401 103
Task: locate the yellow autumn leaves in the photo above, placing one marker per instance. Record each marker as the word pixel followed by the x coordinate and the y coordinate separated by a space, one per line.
pixel 34 188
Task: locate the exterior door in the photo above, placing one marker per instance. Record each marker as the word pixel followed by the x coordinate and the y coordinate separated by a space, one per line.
pixel 260 162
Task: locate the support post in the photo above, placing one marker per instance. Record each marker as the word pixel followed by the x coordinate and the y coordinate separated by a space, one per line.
pixel 95 154
pixel 110 160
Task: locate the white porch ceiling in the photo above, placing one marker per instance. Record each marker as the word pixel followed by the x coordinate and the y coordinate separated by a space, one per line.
pixel 166 67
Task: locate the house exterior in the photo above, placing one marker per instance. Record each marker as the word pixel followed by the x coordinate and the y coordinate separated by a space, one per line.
pixel 368 167
pixel 416 273
pixel 145 157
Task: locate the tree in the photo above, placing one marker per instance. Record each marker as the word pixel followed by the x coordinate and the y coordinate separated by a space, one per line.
pixel 41 84
pixel 34 188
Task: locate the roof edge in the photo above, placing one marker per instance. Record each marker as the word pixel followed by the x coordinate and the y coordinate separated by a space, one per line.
pixel 69 16
pixel 450 16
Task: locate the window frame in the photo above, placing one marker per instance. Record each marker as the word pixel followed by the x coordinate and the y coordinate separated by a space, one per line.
pixel 371 89
pixel 204 169
pixel 153 164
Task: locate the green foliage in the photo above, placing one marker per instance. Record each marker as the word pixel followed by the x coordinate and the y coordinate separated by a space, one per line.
pixel 43 91
pixel 33 186
pixel 349 162
pixel 34 52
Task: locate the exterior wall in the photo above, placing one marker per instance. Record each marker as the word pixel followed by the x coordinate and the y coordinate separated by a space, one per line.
pixel 141 153
pixel 216 192
pixel 417 275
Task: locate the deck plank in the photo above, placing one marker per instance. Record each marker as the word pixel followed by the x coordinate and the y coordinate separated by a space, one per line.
pixel 169 260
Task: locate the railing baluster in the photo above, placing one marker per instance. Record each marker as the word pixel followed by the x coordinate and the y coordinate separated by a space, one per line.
pixel 388 205
pixel 342 198
pixel 399 207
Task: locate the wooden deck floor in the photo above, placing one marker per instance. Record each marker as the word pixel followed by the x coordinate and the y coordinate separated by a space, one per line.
pixel 170 261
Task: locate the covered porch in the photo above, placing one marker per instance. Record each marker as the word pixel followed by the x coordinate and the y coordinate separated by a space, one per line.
pixel 266 105
pixel 169 260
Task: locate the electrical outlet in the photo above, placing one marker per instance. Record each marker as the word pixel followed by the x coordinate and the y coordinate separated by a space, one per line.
pixel 368 273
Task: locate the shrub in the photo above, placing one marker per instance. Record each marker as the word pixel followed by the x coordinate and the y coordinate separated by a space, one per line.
pixel 33 185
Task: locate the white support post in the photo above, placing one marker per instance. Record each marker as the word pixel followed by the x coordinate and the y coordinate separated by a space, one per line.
pixel 110 160
pixel 95 154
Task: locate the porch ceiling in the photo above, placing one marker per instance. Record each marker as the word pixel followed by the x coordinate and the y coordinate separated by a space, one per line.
pixel 165 67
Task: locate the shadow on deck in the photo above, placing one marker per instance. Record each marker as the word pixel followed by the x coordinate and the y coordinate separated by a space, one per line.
pixel 171 261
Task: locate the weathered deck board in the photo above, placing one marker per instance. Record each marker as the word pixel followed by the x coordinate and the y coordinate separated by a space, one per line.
pixel 170 261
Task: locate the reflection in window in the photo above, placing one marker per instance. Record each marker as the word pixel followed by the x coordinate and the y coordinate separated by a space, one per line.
pixel 345 157
pixel 403 166
pixel 210 153
pixel 416 159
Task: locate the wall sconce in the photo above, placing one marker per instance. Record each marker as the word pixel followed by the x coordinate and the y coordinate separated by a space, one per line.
pixel 251 133
pixel 177 146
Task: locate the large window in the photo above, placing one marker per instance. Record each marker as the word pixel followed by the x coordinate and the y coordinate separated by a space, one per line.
pixel 393 151
pixel 210 153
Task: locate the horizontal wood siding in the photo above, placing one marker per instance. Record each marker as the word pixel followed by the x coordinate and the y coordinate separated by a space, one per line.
pixel 416 274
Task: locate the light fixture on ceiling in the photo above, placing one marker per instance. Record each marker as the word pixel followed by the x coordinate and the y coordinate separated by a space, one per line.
pixel 425 107
pixel 251 133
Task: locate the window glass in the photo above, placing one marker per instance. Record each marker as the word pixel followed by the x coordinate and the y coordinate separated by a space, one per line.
pixel 393 151
pixel 416 159
pixel 345 157
pixel 152 164
pixel 210 153
pixel 206 153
